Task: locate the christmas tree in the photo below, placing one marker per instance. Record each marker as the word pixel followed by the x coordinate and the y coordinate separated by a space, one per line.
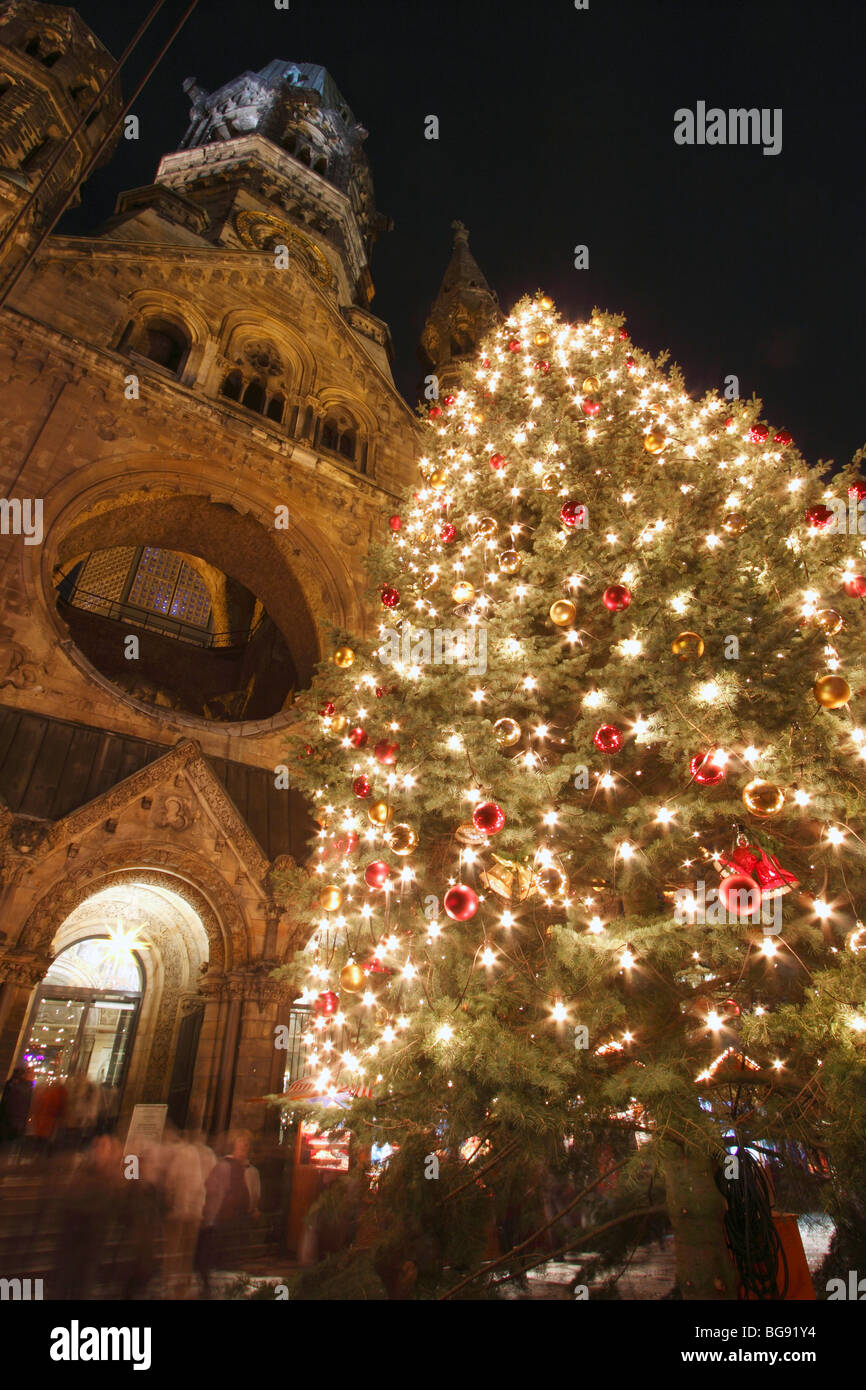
pixel 582 912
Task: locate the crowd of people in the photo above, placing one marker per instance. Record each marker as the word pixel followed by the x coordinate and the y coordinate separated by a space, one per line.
pixel 154 1222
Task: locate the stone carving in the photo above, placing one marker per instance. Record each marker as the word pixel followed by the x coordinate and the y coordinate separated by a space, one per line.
pixel 175 814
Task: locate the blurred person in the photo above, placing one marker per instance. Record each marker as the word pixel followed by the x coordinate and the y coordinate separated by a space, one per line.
pixel 183 1199
pixel 232 1196
pixel 15 1108
pixel 48 1114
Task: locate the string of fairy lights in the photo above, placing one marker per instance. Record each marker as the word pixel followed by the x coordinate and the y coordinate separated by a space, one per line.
pixel 456 549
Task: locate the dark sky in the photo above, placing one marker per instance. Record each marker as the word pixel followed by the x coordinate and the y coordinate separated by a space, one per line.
pixel 556 128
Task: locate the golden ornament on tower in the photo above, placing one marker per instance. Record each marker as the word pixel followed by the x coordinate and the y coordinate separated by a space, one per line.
pixel 352 978
pixel 591 385
pixel 439 479
pixel 507 732
pixel 829 621
pixel 510 561
pixel 831 692
pixel 655 442
pixel 734 524
pixel 380 813
pixel 541 337
pixel 487 526
pixel 343 657
pixel 402 839
pixel 330 898
pixel 463 592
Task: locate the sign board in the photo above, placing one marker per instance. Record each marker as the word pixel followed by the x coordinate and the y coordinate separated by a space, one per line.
pixel 145 1127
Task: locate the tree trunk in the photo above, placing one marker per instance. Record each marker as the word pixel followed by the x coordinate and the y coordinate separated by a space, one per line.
pixel 696 1208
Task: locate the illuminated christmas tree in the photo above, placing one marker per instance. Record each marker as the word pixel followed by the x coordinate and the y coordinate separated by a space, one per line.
pixel 583 906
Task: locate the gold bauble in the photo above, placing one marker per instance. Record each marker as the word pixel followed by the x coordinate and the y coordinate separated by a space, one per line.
pixel 654 442
pixel 439 478
pixel 402 839
pixel 352 978
pixel 734 524
pixel 829 621
pixel 337 723
pixel 479 417
pixel 550 482
pixel 551 882
pixel 541 337
pixel 507 732
pixel 510 561
pixel 343 657
pixel 763 798
pixel 591 385
pixel 546 302
pixel 330 898
pixel 688 646
pixel 487 526
pixel 563 612
pixel 463 592
pixel 380 813
pixel 831 692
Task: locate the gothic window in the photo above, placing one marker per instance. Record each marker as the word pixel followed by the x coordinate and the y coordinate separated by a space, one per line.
pixel 164 343
pixel 233 386
pixel 321 165
pixel 305 156
pixel 254 397
pixel 276 408
pixel 339 435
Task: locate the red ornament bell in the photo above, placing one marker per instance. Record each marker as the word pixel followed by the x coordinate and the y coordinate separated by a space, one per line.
pixel 740 895
pixel 759 434
pixel 856 586
pixel 489 817
pixel 448 400
pixel 764 868
pixel 819 516
pixel 608 738
pixel 629 363
pixel 497 461
pixel 343 844
pixel 361 787
pixel 434 412
pixel 622 335
pixel 514 345
pixel 448 533
pixel 616 597
pixel 390 596
pixel 784 438
pixel 543 367
pixel 327 709
pixel 460 902
pixel 572 513
pixel 395 522
pixel 590 407
pixel 326 1003
pixel 386 752
pixel 707 769
pixel 358 737
pixel 857 491
pixel 377 874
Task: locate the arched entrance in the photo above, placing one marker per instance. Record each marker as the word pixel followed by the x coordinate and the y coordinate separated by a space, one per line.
pixel 117 1008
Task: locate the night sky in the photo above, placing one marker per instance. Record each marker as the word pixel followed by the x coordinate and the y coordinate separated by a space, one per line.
pixel 556 128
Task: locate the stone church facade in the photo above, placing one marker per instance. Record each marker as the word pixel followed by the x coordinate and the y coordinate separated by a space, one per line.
pixel 199 435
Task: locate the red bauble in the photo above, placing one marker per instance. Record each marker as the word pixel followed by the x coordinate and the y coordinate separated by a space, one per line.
pixel 361 787
pixel 759 434
pixel 729 423
pixel 616 597
pixel 448 400
pixel 488 817
pixel 629 363
pixel 460 902
pixel 448 533
pixel 485 361
pixel 434 412
pixel 326 1003
pixel 740 895
pixel 390 596
pixel 622 335
pixel 706 770
pixel 572 513
pixel 858 491
pixel 358 737
pixel 731 1007
pixel 819 516
pixel 386 752
pixel 377 874
pixel 514 345
pixel 856 587
pixel 497 461
pixel 608 738
pixel 327 709
pixel 395 522
pixel 543 367
pixel 344 844
pixel 784 438
pixel 590 407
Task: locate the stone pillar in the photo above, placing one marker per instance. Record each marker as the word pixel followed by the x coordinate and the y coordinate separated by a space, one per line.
pixel 19 975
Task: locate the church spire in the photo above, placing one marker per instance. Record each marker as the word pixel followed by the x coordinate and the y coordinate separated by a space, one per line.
pixel 462 312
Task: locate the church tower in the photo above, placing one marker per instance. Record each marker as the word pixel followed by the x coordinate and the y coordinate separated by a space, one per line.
pixel 51 67
pixel 464 310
